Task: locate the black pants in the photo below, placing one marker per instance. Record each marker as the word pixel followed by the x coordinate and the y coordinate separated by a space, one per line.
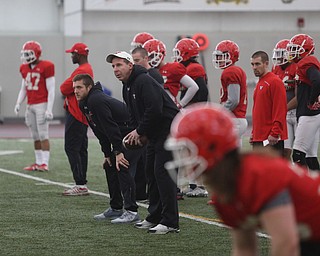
pixel 163 205
pixel 140 178
pixel 279 147
pixel 310 248
pixel 121 184
pixel 76 148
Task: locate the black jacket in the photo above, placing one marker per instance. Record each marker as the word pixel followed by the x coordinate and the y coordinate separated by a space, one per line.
pixel 108 118
pixel 150 107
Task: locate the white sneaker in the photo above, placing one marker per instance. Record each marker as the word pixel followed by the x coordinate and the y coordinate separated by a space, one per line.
pixel 145 224
pixel 197 192
pixel 77 190
pixel 109 214
pixel 127 217
pixel 162 230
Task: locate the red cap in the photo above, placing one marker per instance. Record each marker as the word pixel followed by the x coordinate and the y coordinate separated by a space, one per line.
pixel 79 48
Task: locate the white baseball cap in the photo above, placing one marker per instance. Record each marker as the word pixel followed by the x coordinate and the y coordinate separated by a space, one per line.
pixel 121 55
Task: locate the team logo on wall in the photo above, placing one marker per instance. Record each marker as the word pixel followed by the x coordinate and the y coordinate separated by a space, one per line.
pixel 160 1
pixel 227 1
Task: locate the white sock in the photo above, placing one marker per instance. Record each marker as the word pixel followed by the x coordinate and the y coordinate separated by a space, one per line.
pixel 38 155
pixel 45 157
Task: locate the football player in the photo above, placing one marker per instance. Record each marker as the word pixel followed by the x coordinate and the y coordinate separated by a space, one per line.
pixel 301 49
pixel 140 38
pixel 38 86
pixel 286 71
pixel 186 51
pixel 173 73
pixel 251 190
pixel 233 92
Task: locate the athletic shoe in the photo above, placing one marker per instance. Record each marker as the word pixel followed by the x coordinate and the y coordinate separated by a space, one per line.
pixel 76 191
pixel 108 214
pixel 198 192
pixel 162 230
pixel 43 168
pixel 180 196
pixel 211 202
pixel 33 167
pixel 145 224
pixel 127 217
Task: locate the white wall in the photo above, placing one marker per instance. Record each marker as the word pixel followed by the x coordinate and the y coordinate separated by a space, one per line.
pixel 57 27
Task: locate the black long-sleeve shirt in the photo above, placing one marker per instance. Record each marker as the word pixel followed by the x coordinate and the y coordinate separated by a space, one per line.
pixel 151 108
pixel 108 118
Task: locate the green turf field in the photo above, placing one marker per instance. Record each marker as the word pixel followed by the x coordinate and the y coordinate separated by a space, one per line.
pixel 37 220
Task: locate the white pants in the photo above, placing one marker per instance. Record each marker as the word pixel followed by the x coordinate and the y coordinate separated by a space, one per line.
pixel 307 135
pixel 241 125
pixel 292 127
pixel 35 120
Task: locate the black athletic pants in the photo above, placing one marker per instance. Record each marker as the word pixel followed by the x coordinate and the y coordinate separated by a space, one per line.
pixel 76 148
pixel 163 205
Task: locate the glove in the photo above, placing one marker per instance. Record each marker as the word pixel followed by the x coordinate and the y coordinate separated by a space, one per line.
pixel 314 106
pixel 16 109
pixel 48 115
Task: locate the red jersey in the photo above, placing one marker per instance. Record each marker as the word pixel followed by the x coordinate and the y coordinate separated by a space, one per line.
pixel 196 70
pixel 235 75
pixel 260 180
pixel 35 80
pixel 305 86
pixel 66 89
pixel 269 109
pixel 172 74
pixel 287 75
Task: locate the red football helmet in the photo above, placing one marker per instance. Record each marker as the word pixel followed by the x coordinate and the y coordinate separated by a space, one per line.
pixel 226 53
pixel 140 38
pixel 31 51
pixel 185 49
pixel 300 46
pixel 200 137
pixel 280 53
pixel 156 51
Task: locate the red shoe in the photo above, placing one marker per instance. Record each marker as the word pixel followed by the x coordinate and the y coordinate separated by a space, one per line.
pixel 43 168
pixel 33 167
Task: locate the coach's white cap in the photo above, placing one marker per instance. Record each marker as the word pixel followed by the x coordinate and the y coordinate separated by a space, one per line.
pixel 121 55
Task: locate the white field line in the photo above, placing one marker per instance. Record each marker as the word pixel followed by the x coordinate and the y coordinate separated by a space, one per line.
pixel 214 222
pixel 10 152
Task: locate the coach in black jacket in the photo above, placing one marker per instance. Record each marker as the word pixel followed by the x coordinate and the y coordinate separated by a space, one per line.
pixel 109 118
pixel 152 112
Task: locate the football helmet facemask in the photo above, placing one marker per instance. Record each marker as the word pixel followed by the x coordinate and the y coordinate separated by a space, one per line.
pixel 300 46
pixel 185 49
pixel 156 51
pixel 140 38
pixel 31 51
pixel 280 53
pixel 199 138
pixel 226 53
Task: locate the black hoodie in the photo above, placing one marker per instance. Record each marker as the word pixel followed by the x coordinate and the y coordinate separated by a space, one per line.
pixel 151 108
pixel 108 118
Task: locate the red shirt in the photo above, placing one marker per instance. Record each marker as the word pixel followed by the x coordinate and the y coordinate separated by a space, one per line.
pixel 269 109
pixel 235 75
pixel 287 75
pixel 66 89
pixel 196 70
pixel 260 179
pixel 303 65
pixel 35 80
pixel 172 74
